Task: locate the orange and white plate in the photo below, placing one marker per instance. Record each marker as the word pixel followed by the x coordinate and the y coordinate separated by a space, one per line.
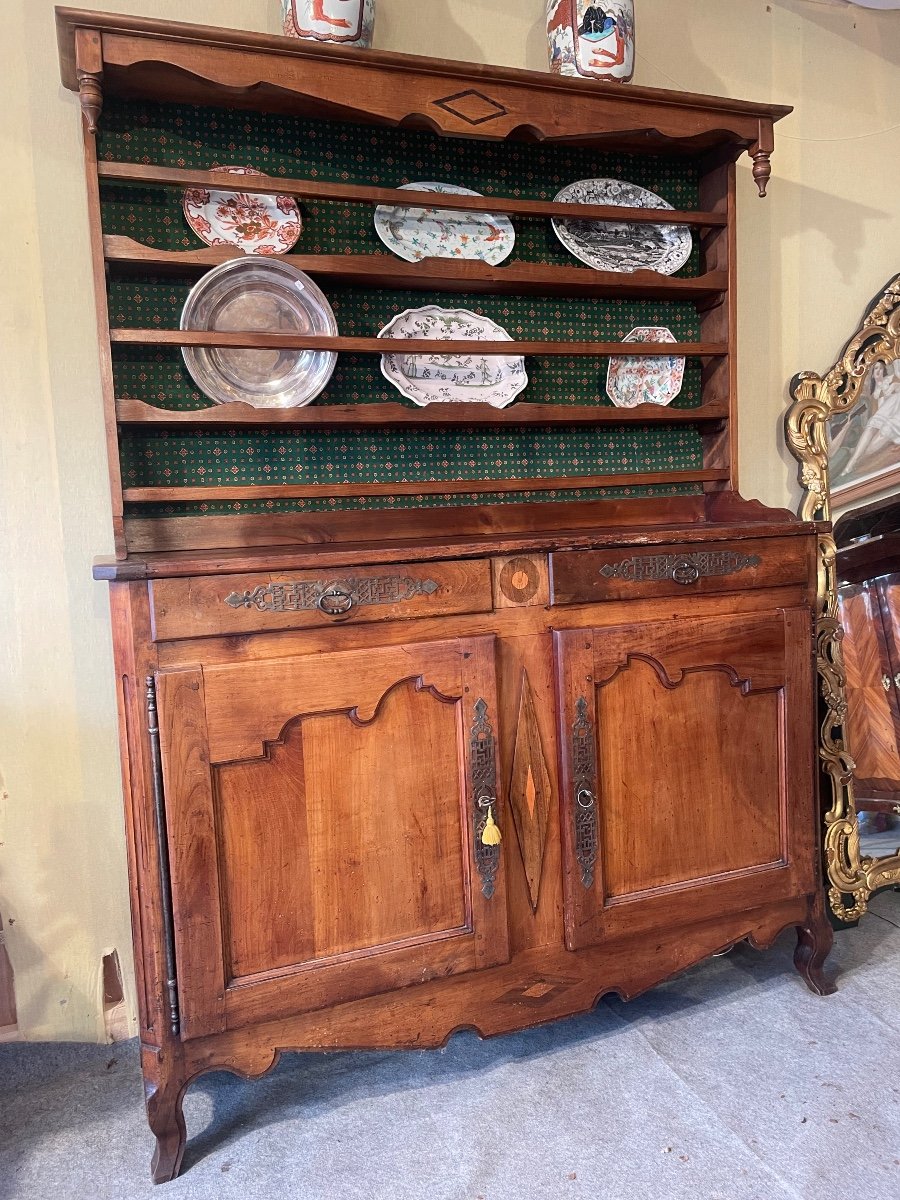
pixel 253 222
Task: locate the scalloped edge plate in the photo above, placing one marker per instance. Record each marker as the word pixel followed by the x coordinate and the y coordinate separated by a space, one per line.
pixel 442 379
pixel 632 381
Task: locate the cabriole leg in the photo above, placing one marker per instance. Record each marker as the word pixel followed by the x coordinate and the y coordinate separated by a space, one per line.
pixel 814 942
pixel 164 1090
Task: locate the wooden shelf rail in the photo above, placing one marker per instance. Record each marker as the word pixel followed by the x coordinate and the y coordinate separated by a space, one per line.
pixel 318 189
pixel 137 412
pixel 435 274
pixel 256 340
pixel 451 487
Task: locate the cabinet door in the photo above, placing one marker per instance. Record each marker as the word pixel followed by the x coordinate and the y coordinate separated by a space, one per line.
pixel 325 818
pixel 873 703
pixel 688 758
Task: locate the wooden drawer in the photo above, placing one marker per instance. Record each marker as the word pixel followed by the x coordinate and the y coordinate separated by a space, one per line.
pixel 586 576
pixel 212 605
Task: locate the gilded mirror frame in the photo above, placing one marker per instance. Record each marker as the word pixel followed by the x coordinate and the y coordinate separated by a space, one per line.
pixel 852 877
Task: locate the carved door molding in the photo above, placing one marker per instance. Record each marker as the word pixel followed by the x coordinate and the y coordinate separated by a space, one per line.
pixel 687 784
pixel 325 826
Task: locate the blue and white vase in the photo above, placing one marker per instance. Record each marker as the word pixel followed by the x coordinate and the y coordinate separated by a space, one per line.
pixel 591 41
pixel 347 22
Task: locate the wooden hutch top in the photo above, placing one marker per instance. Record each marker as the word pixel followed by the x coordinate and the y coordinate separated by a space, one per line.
pixel 203 64
pixel 106 57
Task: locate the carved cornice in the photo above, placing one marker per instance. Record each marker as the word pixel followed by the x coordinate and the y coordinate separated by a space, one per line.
pixel 203 64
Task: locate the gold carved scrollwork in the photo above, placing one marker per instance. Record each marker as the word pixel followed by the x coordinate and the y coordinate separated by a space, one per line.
pixel 852 876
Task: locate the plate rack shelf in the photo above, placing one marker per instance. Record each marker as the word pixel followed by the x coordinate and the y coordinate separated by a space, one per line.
pixel 162 68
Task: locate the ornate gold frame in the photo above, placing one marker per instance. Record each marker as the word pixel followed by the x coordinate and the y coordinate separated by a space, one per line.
pixel 852 877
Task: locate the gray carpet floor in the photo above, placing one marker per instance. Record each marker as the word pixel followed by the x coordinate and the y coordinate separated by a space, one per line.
pixel 729 1083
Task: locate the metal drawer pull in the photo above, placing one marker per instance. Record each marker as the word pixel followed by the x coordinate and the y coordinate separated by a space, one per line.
pixel 335 601
pixel 686 572
pixel 897 680
pixel 886 682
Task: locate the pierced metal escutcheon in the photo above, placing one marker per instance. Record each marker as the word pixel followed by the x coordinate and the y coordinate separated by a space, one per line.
pixel 584 776
pixel 482 750
pixel 680 568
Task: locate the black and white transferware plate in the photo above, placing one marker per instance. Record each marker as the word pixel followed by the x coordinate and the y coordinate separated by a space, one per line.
pixel 621 245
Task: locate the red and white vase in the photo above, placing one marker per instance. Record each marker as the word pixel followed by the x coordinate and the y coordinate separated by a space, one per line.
pixel 348 22
pixel 591 41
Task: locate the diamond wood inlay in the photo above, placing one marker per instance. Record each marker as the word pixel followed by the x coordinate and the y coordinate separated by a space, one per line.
pixel 472 107
pixel 530 792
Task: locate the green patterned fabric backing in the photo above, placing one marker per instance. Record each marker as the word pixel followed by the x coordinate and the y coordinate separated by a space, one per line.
pixel 200 138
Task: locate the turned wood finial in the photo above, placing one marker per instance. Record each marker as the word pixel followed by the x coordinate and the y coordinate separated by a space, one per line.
pixel 762 170
pixel 90 93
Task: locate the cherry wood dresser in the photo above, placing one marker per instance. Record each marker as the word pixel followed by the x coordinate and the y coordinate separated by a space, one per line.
pixel 445 717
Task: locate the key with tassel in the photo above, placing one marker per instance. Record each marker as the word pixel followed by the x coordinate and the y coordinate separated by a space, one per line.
pixel 491 835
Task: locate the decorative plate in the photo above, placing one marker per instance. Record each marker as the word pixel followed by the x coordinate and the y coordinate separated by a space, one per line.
pixel 458 378
pixel 254 223
pixel 417 233
pixel 631 381
pixel 620 245
pixel 270 296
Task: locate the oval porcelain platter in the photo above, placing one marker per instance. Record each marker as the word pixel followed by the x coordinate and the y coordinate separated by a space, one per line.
pixel 417 233
pixel 255 223
pixel 459 378
pixel 621 245
pixel 266 295
pixel 631 380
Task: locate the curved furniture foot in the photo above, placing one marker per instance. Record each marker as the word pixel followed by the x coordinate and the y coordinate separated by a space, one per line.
pixel 814 942
pixel 171 1136
pixel 164 1091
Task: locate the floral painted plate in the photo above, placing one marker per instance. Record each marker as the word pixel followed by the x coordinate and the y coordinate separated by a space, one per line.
pixel 256 224
pixel 458 378
pixel 417 233
pixel 631 381
pixel 621 245
pixel 267 295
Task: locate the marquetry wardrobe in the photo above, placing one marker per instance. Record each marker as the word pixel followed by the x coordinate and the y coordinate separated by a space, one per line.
pixel 868 568
pixel 356 641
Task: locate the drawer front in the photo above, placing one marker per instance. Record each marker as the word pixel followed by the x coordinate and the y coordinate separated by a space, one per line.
pixel 214 605
pixel 587 576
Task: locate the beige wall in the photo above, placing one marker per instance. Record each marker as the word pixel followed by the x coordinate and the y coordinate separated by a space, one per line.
pixel 812 256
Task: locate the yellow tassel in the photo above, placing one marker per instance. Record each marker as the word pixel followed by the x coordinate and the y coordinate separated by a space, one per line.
pixel 491 835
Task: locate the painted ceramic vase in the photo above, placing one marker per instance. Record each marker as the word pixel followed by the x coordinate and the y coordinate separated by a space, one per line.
pixel 349 22
pixel 591 41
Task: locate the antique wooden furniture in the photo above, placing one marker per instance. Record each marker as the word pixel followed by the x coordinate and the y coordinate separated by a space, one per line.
pixel 868 571
pixel 819 402
pixel 359 643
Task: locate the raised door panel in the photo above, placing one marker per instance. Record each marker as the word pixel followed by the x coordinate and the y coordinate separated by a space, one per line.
pixel 873 720
pixel 687 770
pixel 340 841
pixel 342 855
